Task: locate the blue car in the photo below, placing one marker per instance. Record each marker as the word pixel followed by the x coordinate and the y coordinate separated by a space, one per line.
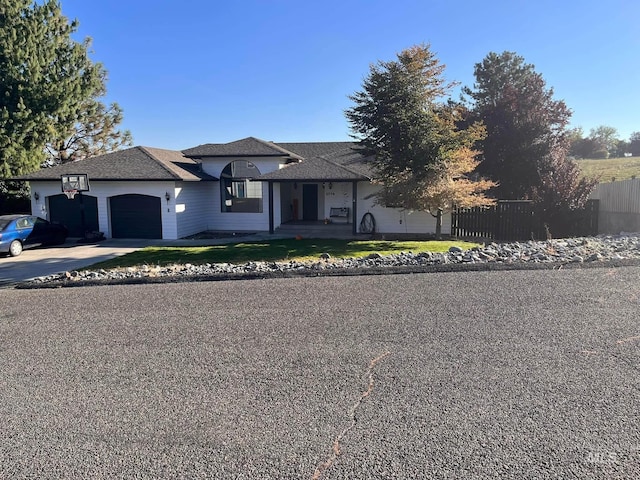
pixel 18 232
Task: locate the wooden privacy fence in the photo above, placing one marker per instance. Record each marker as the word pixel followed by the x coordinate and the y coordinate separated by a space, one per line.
pixel 619 206
pixel 514 220
pixel 622 196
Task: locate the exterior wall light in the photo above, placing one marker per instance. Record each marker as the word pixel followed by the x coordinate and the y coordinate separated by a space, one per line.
pixel 167 196
pixel 36 195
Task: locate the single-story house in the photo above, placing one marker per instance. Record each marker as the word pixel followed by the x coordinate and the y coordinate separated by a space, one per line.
pixel 246 185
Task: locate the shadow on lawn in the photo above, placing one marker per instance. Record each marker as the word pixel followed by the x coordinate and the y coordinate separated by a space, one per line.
pixel 275 250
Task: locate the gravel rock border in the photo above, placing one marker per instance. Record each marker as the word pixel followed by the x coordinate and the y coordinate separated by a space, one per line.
pixel 600 251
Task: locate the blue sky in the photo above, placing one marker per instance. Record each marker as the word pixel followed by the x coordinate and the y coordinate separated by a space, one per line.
pixel 198 71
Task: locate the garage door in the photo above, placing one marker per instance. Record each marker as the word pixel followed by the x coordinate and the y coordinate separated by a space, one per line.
pixel 135 216
pixel 68 212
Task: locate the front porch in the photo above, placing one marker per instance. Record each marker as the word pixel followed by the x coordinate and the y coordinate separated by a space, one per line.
pixel 325 209
pixel 317 229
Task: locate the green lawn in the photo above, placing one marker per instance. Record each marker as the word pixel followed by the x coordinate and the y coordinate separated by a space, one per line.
pixel 618 168
pixel 275 250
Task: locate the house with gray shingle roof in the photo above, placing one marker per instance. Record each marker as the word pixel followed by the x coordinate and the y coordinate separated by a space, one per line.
pixel 245 185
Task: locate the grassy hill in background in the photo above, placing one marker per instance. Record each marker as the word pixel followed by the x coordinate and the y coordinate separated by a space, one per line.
pixel 618 168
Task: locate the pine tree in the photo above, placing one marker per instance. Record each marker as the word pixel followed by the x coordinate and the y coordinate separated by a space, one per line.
pixel 93 132
pixel 47 82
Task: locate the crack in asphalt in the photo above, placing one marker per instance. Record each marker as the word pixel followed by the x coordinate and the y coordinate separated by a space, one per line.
pixel 335 449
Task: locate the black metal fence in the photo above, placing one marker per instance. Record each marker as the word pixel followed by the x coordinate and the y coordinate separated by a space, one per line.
pixel 516 220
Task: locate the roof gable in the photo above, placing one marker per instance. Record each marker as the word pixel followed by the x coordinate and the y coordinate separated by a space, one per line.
pixel 247 147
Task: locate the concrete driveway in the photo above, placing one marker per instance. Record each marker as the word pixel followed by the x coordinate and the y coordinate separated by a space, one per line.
pixel 40 262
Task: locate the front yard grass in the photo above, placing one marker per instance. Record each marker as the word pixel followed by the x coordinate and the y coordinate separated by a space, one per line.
pixel 274 250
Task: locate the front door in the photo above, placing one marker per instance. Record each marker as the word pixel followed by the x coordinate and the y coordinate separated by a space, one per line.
pixel 310 202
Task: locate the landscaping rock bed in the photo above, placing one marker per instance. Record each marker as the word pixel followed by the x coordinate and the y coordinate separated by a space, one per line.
pixel 600 250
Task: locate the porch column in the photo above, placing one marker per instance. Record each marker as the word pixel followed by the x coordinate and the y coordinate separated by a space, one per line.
pixel 271 229
pixel 354 206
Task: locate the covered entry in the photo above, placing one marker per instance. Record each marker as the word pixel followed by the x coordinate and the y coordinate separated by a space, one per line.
pixel 135 216
pixel 69 213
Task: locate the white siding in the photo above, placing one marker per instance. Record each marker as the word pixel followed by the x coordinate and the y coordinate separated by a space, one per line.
pixel 44 190
pixel 104 190
pixel 337 195
pixel 242 221
pixel 395 220
pixel 239 221
pixel 194 207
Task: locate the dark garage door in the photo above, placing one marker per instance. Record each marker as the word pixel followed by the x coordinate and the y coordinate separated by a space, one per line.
pixel 135 216
pixel 68 212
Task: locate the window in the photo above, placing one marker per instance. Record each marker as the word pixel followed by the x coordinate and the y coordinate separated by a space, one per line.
pixel 239 193
pixel 26 222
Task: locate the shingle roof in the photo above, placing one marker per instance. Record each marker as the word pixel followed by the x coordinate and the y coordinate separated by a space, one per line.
pixel 317 149
pixel 317 161
pixel 345 154
pixel 247 147
pixel 136 163
pixel 313 169
pixel 320 161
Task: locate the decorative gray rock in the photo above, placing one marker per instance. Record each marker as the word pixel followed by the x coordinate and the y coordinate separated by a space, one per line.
pixel 594 257
pixel 592 249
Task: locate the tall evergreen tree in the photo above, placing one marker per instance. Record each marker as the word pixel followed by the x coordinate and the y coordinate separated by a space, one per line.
pixel 421 158
pixel 47 82
pixel 524 123
pixel 527 145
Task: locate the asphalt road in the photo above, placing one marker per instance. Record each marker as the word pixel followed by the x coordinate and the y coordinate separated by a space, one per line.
pixel 519 374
